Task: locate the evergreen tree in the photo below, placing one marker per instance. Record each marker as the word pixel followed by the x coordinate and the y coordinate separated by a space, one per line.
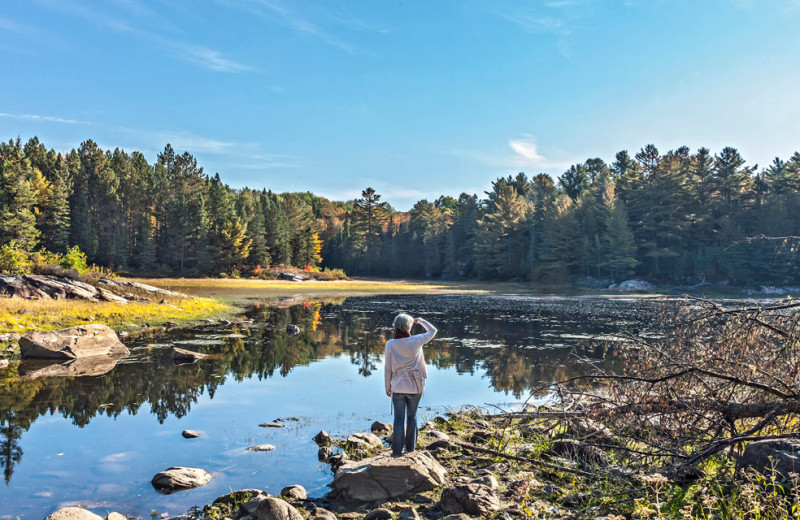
pixel 17 198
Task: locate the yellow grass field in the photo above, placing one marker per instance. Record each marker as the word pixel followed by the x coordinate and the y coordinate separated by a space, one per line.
pixel 21 316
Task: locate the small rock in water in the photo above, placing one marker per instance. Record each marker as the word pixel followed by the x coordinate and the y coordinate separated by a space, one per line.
pixel 272 425
pixel 292 330
pixel 295 492
pixel 322 438
pixel 261 447
pixel 190 434
pixel 178 478
pixel 73 513
pixel 324 453
pixel 284 419
pixel 116 516
pixel 380 427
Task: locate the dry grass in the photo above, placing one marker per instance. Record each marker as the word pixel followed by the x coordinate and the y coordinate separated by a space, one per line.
pixel 21 316
pixel 360 286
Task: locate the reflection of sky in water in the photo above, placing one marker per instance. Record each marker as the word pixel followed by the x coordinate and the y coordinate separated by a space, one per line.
pixel 480 358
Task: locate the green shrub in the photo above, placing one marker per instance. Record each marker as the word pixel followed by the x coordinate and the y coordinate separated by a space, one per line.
pixel 14 259
pixel 75 259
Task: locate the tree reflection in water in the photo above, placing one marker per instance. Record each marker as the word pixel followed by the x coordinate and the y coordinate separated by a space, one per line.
pixel 519 344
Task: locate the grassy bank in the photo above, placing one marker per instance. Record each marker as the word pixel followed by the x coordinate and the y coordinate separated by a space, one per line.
pixel 21 316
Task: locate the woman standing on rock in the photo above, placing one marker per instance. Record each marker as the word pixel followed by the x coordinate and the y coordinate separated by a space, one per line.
pixel 405 375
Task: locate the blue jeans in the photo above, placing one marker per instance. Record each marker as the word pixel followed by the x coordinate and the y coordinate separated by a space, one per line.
pixel 405 411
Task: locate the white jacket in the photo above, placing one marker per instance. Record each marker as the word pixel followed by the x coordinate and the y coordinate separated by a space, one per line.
pixel 404 362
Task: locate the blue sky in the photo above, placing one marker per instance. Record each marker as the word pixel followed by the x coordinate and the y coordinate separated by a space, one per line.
pixel 414 98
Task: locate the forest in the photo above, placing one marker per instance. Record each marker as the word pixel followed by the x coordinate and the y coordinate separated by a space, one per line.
pixel 677 217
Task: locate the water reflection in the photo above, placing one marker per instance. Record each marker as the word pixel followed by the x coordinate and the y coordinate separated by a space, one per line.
pixel 515 343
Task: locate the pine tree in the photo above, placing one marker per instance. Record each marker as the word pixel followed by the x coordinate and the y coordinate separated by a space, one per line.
pixel 619 246
pixel 17 219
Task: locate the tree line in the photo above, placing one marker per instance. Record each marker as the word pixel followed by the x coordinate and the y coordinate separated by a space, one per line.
pixel 676 217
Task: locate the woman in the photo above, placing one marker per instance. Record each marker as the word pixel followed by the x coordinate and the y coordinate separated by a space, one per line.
pixel 405 375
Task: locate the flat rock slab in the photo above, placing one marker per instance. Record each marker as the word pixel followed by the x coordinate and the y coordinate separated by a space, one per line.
pixel 261 447
pixel 73 513
pixel 178 478
pixel 272 425
pixel 83 341
pixel 385 477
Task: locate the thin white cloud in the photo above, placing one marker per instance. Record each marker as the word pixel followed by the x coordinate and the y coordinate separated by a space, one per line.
pixel 276 11
pixel 197 144
pixel 543 24
pixel 525 148
pixel 201 55
pixel 522 154
pixel 211 59
pixel 48 119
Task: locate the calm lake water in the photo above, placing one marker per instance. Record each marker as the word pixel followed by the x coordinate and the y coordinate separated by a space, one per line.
pixel 97 440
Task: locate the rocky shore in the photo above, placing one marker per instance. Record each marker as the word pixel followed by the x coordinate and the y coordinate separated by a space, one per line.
pixel 468 465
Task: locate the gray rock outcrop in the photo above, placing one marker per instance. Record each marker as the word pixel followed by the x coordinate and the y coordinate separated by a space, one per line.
pixel 75 342
pixel 385 477
pixel 473 499
pixel 178 478
pixel 73 513
pixel 780 455
pixel 635 285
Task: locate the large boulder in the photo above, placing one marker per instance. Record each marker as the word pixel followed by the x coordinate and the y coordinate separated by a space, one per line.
pixel 473 499
pixel 73 513
pixel 780 455
pixel 178 478
pixel 76 342
pixel 385 477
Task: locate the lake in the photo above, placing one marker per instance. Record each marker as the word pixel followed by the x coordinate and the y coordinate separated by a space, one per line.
pixel 97 440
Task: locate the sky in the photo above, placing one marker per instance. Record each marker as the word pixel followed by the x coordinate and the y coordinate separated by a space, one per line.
pixel 415 98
